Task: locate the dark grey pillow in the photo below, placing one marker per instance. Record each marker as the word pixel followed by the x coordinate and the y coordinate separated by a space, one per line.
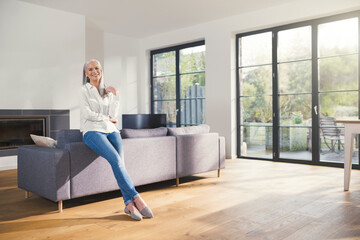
pixel 203 128
pixel 143 133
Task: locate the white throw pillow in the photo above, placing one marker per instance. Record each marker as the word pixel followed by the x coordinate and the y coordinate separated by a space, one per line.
pixel 43 141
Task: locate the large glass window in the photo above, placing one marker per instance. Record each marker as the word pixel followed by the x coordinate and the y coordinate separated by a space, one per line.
pixel 294 82
pixel 338 84
pixel 164 85
pixel 192 85
pixel 178 84
pixel 255 78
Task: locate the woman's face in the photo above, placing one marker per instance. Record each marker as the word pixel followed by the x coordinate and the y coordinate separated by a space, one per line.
pixel 93 72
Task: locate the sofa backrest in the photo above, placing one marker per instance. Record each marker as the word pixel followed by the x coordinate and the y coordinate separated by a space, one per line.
pixel 68 136
pixel 199 129
pixel 144 133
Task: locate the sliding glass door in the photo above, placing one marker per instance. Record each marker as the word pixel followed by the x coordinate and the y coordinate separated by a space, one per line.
pixel 294 82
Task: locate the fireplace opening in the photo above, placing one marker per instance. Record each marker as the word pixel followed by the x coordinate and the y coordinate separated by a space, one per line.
pixel 15 132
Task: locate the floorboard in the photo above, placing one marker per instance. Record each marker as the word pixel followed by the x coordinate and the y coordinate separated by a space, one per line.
pixel 251 200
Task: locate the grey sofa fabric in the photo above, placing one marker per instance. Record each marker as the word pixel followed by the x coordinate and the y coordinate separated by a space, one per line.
pixel 90 173
pixel 144 133
pixel 196 153
pixel 44 171
pixel 73 170
pixel 145 166
pixel 203 128
pixel 68 136
pixel 149 160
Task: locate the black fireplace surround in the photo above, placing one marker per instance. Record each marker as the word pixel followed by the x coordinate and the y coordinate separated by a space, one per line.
pixel 17 125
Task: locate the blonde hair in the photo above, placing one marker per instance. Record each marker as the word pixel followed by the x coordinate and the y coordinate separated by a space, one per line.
pixel 102 82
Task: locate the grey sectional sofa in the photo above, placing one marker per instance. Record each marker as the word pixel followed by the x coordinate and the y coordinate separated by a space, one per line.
pixel 73 170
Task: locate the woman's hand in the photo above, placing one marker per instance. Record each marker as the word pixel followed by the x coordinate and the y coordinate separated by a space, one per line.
pixel 112 90
pixel 113 120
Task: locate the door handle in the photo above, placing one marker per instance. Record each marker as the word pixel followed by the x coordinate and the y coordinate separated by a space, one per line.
pixel 315 109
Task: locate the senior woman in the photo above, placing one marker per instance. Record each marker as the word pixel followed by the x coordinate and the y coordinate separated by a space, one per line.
pixel 99 106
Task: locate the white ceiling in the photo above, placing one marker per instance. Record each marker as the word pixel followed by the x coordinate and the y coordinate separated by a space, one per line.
pixel 141 18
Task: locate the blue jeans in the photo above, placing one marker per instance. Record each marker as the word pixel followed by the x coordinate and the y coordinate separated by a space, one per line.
pixel 109 146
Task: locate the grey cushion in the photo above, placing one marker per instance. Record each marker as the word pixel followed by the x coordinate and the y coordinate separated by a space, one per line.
pixel 203 128
pixel 144 133
pixel 68 136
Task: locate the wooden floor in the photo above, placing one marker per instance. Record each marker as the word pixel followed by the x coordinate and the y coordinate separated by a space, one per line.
pixel 251 200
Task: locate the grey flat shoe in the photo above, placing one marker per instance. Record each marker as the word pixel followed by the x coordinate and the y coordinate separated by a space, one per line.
pixel 146 212
pixel 134 215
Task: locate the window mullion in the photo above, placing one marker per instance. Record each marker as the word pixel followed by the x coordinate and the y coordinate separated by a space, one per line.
pixel 177 110
pixel 315 96
pixel 152 83
pixel 276 130
pixel 358 81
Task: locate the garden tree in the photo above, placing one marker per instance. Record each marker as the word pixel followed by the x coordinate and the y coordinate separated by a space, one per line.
pixel 294 78
pixel 255 81
pixel 257 106
pixel 339 73
pixel 164 84
pixel 335 73
pixel 192 62
pixel 294 75
pixel 164 73
pixel 192 84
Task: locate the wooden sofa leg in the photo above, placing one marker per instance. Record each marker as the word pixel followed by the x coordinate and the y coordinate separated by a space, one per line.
pixel 177 181
pixel 218 173
pixel 27 194
pixel 60 206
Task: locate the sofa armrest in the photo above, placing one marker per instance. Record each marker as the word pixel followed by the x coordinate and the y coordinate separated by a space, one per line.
pixel 44 171
pixel 68 136
pixel 197 153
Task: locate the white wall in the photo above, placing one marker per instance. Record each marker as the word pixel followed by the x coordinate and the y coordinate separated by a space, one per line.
pixel 42 51
pixel 9 162
pixel 94 41
pixel 220 55
pixel 121 70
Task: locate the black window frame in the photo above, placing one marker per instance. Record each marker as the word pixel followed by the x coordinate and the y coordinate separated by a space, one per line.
pixel 177 50
pixel 315 91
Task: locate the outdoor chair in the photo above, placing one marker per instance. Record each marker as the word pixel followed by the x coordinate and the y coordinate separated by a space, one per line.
pixel 330 133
